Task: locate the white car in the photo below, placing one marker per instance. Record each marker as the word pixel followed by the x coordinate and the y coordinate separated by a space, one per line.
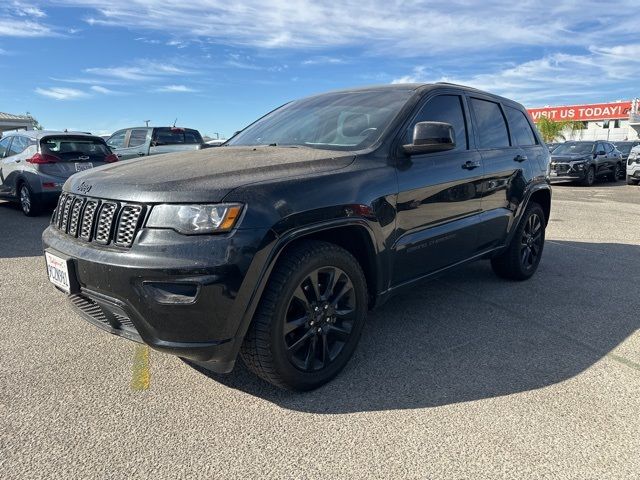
pixel 633 166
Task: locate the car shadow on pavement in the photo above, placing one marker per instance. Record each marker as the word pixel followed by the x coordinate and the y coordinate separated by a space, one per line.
pixel 469 335
pixel 20 236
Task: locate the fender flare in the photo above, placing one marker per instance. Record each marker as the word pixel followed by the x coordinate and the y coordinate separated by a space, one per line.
pixel 523 206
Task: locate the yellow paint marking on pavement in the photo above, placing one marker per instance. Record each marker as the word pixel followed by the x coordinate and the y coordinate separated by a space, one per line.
pixel 141 376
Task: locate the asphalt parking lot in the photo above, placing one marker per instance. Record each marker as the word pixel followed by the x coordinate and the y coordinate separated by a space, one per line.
pixel 468 376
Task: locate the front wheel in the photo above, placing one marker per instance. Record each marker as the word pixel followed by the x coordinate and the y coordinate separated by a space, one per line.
pixel 631 180
pixel 521 258
pixel 617 173
pixel 309 319
pixel 589 177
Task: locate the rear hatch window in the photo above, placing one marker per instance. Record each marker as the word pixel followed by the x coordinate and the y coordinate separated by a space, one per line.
pixel 176 136
pixel 75 149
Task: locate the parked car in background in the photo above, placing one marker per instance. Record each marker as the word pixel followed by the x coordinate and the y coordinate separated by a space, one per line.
pixel 585 161
pixel 625 148
pixel 633 166
pixel 142 141
pixel 275 245
pixel 35 164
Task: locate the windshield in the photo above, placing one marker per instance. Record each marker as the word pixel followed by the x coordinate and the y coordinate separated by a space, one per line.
pixel 574 148
pixel 337 121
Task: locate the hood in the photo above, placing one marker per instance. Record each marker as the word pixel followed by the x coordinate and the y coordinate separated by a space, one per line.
pixel 570 158
pixel 201 176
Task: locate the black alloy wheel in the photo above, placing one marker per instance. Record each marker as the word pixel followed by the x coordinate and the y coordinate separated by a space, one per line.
pixel 531 242
pixel 310 317
pixel 319 319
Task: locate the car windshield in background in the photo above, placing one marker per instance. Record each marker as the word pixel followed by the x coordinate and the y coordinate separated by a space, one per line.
pixel 337 121
pixel 625 148
pixel 177 136
pixel 574 148
pixel 70 148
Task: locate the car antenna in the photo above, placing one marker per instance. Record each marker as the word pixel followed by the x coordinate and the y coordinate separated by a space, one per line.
pixel 174 122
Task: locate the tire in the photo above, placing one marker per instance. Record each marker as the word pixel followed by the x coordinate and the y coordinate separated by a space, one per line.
pixel 631 181
pixel 521 258
pixel 617 173
pixel 29 204
pixel 297 341
pixel 589 177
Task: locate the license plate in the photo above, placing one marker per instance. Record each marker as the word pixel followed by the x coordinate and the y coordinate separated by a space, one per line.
pixel 58 269
pixel 83 166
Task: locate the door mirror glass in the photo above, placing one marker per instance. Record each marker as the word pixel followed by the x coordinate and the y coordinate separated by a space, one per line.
pixel 431 137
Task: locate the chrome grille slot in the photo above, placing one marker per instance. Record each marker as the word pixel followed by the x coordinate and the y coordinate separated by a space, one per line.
pixel 102 221
pixel 127 225
pixel 66 214
pixel 105 222
pixel 88 217
pixel 76 208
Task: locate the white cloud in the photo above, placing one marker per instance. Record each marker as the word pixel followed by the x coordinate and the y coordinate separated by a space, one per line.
pixel 59 93
pixel 12 27
pixel 601 71
pixel 405 28
pixel 102 90
pixel 143 71
pixel 175 89
pixel 323 60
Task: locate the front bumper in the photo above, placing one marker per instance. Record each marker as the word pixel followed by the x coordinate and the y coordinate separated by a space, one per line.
pixel 178 294
pixel 633 170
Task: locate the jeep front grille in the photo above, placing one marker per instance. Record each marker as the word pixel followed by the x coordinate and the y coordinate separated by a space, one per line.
pixel 101 221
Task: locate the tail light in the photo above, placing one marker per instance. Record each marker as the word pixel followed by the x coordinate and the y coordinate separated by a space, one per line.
pixel 112 157
pixel 42 158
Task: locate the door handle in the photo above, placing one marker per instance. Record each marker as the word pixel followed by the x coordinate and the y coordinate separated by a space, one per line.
pixel 520 158
pixel 469 165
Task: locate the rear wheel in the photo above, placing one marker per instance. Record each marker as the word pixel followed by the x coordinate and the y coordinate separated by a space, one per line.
pixel 30 205
pixel 310 318
pixel 521 258
pixel 617 173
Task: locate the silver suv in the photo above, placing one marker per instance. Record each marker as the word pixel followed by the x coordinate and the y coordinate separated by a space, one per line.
pixel 34 164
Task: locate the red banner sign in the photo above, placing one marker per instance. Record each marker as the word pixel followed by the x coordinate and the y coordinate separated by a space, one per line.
pixel 597 111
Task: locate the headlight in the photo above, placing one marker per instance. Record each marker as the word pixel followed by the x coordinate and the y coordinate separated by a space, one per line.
pixel 195 219
pixel 579 165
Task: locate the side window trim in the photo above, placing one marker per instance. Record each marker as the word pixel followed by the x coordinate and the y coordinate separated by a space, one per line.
pixel 7 152
pixel 4 154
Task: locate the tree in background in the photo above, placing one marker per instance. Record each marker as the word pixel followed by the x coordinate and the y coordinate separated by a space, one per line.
pixel 552 130
pixel 36 124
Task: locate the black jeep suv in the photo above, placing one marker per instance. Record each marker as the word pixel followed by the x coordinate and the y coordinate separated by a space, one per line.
pixel 275 245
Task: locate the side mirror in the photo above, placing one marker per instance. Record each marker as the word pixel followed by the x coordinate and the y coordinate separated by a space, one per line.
pixel 431 137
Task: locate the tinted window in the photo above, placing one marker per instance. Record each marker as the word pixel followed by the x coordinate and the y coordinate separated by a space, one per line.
pixel 490 124
pixel 4 143
pixel 117 139
pixel 176 136
pixel 609 147
pixel 520 128
pixel 70 148
pixel 18 145
pixel 138 137
pixel 574 148
pixel 339 121
pixel 443 108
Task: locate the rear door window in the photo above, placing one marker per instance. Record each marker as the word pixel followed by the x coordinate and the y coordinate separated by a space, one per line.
pixel 70 148
pixel 138 137
pixel 490 124
pixel 520 128
pixel 18 145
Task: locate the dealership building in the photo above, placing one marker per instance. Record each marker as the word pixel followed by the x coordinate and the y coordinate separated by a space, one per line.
pixel 616 121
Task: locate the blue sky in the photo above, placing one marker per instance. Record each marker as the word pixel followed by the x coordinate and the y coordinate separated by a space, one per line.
pixel 217 65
